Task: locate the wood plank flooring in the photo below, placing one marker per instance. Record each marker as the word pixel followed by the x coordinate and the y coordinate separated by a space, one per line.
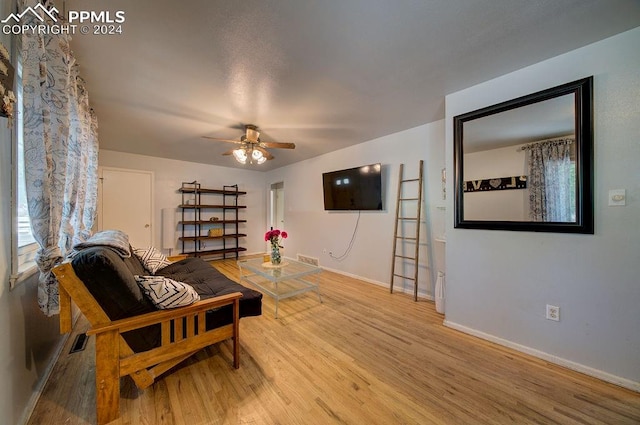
pixel 363 356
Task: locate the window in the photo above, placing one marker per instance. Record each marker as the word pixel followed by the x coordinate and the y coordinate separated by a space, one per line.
pixel 24 245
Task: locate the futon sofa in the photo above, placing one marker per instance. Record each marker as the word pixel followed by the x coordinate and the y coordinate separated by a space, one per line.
pixel 110 279
pixel 133 337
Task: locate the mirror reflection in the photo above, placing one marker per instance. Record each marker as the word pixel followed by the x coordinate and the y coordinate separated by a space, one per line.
pixel 519 165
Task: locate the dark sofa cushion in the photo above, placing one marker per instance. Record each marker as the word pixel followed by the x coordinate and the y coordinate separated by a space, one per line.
pixel 134 264
pixel 208 283
pixel 109 279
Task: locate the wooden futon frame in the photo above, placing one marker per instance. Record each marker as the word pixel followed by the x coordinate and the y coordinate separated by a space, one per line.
pixel 115 359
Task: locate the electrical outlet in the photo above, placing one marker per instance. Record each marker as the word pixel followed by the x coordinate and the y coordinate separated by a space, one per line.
pixel 553 312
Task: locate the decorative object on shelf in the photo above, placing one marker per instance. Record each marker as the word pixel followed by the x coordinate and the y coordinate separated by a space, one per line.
pixel 273 236
pixel 7 97
pixel 499 183
pixel 213 219
pixel 215 232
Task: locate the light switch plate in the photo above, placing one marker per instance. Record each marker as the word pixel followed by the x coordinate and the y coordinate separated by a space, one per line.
pixel 617 197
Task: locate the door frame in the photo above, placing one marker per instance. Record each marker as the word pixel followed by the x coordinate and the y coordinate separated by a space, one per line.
pixel 273 187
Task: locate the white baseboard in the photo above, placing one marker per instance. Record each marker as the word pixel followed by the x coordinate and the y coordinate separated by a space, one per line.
pixel 249 254
pixel 421 293
pixel 605 376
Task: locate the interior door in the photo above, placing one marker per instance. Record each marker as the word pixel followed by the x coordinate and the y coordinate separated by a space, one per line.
pixel 126 200
pixel 277 206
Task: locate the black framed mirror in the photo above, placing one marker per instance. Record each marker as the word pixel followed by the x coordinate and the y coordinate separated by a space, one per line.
pixel 527 164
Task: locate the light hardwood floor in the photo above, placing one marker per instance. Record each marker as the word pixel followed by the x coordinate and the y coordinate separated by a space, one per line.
pixel 364 356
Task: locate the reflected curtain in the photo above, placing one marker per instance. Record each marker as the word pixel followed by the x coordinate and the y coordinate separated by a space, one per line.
pixel 551 180
pixel 60 152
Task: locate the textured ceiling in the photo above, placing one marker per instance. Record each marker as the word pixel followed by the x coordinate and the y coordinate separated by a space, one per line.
pixel 322 74
pixel 545 119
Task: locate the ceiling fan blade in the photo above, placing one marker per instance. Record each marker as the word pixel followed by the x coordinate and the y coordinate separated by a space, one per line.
pixel 265 153
pixel 278 145
pixel 229 152
pixel 238 126
pixel 239 142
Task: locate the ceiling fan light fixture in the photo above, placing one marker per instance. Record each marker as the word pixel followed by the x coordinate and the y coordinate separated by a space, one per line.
pixel 240 155
pixel 258 157
pixel 252 150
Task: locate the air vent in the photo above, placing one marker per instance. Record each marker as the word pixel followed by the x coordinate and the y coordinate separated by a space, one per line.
pixel 308 260
pixel 79 343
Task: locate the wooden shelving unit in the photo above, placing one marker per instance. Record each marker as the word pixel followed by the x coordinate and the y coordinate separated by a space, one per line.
pixel 198 211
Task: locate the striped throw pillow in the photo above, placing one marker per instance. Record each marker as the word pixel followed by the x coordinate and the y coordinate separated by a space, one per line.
pixel 167 293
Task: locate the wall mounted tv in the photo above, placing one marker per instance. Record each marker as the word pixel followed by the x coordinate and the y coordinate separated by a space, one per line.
pixel 358 188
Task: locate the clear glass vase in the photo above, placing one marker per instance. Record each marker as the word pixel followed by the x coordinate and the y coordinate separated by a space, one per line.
pixel 275 255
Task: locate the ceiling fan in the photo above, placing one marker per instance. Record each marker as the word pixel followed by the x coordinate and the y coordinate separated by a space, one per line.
pixel 252 149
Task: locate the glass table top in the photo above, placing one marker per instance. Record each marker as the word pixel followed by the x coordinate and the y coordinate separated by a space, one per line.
pixel 288 269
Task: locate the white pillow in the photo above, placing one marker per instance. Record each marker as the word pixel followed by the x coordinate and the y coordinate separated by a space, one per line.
pixel 152 259
pixel 167 293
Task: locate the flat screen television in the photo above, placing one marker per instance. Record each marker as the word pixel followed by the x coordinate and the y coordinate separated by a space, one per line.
pixel 358 188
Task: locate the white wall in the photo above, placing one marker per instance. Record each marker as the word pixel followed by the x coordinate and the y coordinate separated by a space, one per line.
pixel 312 229
pixel 30 340
pixel 168 177
pixel 503 205
pixel 498 282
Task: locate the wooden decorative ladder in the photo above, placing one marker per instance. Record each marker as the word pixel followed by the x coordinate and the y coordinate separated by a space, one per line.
pixel 411 239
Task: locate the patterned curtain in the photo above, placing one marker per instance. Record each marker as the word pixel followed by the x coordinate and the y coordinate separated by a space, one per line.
pixel 60 152
pixel 552 181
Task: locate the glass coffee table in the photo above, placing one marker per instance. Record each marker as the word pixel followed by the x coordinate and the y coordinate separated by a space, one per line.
pixel 286 280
